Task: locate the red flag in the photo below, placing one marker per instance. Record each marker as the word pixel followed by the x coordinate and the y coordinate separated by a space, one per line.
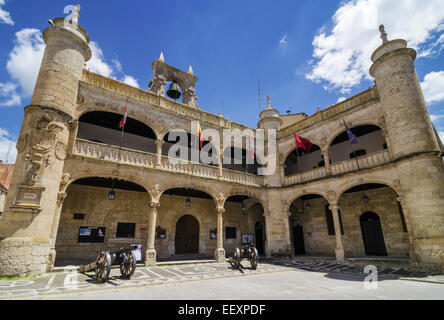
pixel 123 121
pixel 303 143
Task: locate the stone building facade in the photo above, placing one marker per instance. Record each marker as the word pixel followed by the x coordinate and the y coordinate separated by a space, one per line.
pixel 383 196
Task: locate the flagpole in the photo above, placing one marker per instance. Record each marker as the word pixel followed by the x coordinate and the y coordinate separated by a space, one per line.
pixel 299 163
pixel 123 130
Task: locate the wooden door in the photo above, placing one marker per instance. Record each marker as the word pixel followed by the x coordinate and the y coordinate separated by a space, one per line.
pixel 298 240
pixel 187 235
pixel 372 235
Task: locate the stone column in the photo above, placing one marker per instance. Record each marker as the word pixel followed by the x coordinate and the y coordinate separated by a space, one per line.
pixel 219 254
pixel 326 156
pixel 267 234
pixel 340 256
pixel 150 253
pixel 159 145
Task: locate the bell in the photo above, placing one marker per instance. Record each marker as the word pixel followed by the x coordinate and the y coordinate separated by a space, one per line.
pixel 174 91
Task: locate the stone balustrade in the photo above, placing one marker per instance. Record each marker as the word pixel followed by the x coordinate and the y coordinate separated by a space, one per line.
pixel 89 149
pixel 364 162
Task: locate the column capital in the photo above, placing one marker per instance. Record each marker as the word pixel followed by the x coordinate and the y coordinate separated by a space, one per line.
pixel 334 207
pixel 159 143
pixel 220 210
pixel 155 204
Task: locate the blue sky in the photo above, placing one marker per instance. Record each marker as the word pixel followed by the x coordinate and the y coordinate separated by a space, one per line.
pixel 306 54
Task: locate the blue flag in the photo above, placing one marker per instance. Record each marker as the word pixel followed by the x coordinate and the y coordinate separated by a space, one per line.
pixel 351 136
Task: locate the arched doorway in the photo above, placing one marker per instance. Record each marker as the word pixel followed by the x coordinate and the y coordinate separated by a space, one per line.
pixel 298 239
pixel 187 235
pixel 259 236
pixel 372 235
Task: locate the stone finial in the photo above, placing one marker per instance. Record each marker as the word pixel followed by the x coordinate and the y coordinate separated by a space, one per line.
pixel 190 70
pixel 75 14
pixel 383 33
pixel 161 58
pixel 268 102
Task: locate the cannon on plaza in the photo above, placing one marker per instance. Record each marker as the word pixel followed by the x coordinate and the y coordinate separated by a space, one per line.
pixel 246 252
pixel 126 258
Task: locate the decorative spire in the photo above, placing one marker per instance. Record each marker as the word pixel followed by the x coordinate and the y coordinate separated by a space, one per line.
pixel 383 33
pixel 161 58
pixel 75 14
pixel 190 70
pixel 268 102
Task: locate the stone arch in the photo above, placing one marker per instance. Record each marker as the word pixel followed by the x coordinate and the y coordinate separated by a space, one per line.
pixel 106 174
pixel 248 193
pixel 290 150
pixel 112 108
pixel 306 193
pixel 342 129
pixel 210 192
pixel 355 183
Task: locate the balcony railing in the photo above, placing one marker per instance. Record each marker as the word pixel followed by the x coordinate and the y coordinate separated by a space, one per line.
pixel 114 154
pixel 305 176
pixel 364 162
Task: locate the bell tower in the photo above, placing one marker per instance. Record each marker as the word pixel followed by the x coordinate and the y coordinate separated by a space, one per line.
pixel 417 155
pixel 185 80
pixel 26 244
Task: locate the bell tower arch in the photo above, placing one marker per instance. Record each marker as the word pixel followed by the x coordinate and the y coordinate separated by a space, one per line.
pixel 164 73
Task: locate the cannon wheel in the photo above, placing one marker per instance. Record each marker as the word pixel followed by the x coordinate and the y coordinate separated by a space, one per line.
pixel 236 258
pixel 128 265
pixel 103 266
pixel 253 259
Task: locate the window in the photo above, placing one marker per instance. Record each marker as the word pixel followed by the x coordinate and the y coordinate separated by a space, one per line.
pixel 230 233
pixel 331 223
pixel 126 230
pixel 79 216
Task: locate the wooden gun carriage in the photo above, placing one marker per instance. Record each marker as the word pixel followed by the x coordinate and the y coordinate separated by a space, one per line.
pixel 246 252
pixel 126 258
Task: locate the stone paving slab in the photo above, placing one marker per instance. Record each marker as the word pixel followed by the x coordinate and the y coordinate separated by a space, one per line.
pixel 71 282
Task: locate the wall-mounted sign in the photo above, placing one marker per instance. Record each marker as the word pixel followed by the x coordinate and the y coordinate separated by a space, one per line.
pixel 160 233
pixel 247 238
pixel 213 234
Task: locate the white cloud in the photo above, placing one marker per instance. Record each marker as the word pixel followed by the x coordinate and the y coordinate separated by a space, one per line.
pixel 99 65
pixel 24 60
pixel 340 99
pixel 9 90
pixel 131 81
pixel 433 87
pixel 342 57
pixel 5 16
pixel 8 153
pixel 441 135
pixel 436 117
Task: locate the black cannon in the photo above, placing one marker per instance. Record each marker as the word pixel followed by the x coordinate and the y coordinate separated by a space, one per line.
pixel 126 258
pixel 246 252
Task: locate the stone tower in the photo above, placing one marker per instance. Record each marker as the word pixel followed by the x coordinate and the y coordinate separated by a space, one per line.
pixel 415 149
pixel 33 203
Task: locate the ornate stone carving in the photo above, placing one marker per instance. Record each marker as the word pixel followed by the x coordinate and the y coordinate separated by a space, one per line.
pixel 155 194
pixel 33 168
pixel 21 143
pixel 331 195
pixel 64 181
pixel 61 151
pixel 43 137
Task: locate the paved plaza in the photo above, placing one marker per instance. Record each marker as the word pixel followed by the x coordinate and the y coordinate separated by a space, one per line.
pixel 274 279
